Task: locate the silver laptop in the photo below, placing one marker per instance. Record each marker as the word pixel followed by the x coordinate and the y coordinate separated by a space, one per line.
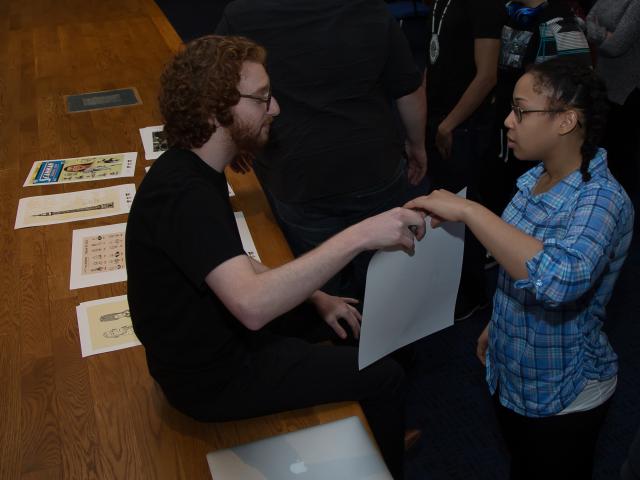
pixel 340 450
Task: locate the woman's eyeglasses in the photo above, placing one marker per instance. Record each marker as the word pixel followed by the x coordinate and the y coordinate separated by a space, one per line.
pixel 519 111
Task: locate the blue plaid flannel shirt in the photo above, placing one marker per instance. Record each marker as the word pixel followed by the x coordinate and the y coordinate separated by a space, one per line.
pixel 545 338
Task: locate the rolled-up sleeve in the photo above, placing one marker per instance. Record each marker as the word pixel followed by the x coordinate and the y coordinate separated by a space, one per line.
pixel 566 268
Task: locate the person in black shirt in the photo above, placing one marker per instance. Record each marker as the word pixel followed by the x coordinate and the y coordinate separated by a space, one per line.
pixel 462 63
pixel 334 156
pixel 219 328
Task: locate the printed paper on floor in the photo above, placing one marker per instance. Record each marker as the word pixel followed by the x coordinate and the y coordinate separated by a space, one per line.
pixel 97 256
pixel 105 326
pixel 74 206
pixel 82 169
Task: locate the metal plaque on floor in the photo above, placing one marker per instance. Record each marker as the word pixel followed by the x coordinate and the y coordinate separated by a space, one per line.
pixel 122 97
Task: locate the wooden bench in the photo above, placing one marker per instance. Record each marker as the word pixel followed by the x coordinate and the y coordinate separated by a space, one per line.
pixel 62 416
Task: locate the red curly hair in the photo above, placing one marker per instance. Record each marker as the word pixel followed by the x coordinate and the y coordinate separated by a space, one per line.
pixel 200 83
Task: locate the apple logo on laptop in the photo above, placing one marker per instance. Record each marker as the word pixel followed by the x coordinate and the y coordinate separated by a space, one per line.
pixel 298 467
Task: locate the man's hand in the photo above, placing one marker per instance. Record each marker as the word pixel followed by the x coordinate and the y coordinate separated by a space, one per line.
pixel 483 344
pixel 396 228
pixel 416 162
pixel 444 140
pixel 442 206
pixel 332 309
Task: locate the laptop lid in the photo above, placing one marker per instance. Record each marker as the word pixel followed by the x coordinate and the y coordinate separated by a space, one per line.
pixel 340 450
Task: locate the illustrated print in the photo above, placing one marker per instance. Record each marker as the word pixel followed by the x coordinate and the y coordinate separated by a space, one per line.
pixel 103 253
pixel 159 141
pixel 119 332
pixel 110 317
pixel 80 169
pixel 74 210
pixel 105 325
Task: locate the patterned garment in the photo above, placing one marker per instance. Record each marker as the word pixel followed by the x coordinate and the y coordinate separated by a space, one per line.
pixel 514 47
pixel 545 339
pixel 561 36
pixel 555 37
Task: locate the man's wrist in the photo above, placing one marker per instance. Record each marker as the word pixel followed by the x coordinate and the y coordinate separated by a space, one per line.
pixel 316 297
pixel 354 240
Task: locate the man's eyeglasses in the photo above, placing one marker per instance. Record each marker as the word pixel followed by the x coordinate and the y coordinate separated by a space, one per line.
pixel 519 111
pixel 266 100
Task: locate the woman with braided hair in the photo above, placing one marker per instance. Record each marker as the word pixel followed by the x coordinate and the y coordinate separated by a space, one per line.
pixel 560 244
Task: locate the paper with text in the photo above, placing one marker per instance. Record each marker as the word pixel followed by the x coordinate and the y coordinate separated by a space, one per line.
pixel 82 169
pixel 98 256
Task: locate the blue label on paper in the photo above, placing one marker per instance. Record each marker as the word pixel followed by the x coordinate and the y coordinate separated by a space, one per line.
pixel 49 171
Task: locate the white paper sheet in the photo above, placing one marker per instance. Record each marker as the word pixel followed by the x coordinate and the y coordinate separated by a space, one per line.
pixel 105 326
pixel 410 297
pixel 153 141
pixel 97 256
pixel 82 169
pixel 245 236
pixel 74 206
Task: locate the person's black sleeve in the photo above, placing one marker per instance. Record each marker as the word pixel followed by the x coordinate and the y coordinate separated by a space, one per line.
pixel 198 232
pixel 488 18
pixel 400 76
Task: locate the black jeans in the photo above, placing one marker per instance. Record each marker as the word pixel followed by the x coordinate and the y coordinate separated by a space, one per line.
pixel 284 371
pixel 559 447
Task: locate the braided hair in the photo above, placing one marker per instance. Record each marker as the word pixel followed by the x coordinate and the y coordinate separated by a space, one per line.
pixel 570 84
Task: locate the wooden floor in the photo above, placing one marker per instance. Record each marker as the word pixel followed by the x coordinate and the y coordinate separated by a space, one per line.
pixel 62 416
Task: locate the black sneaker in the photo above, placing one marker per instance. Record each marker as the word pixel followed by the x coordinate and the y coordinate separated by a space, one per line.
pixel 466 307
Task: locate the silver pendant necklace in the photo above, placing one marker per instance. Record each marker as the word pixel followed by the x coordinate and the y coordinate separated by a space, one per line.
pixel 434 43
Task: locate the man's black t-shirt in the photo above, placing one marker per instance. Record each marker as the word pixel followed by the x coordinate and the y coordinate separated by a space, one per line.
pixel 181 226
pixel 334 65
pixel 464 22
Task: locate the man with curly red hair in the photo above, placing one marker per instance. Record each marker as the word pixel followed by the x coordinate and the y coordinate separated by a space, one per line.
pixel 221 331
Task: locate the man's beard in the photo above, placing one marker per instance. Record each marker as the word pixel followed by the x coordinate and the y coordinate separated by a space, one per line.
pixel 247 141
